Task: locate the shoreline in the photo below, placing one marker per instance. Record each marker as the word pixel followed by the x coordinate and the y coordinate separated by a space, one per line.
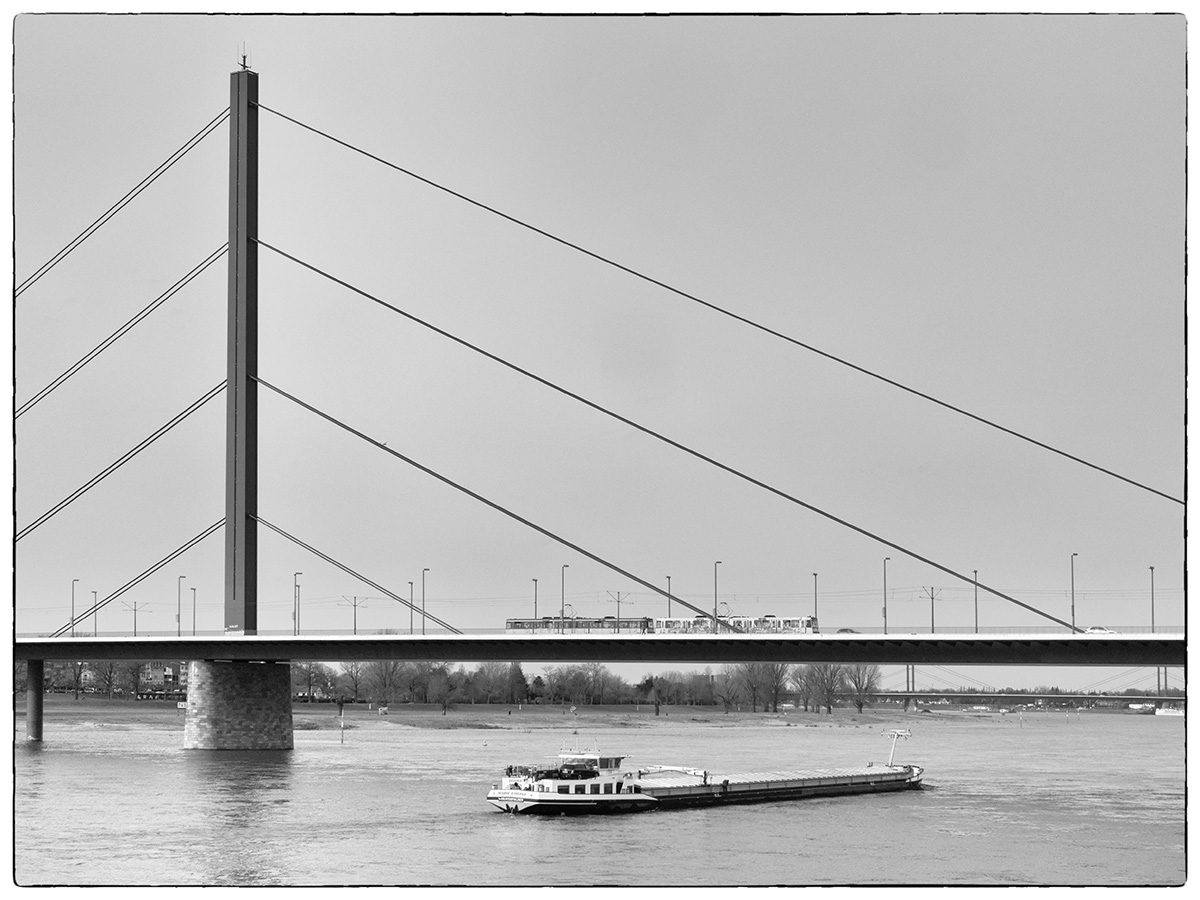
pixel 165 714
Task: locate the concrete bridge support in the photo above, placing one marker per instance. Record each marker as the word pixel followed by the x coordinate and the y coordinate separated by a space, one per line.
pixel 35 693
pixel 235 705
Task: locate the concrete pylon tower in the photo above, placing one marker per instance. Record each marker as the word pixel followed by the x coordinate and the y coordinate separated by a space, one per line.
pixel 241 705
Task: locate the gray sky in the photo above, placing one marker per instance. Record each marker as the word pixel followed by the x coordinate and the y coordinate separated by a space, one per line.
pixel 989 209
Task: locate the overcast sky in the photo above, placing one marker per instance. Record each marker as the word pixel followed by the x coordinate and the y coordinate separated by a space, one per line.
pixel 988 209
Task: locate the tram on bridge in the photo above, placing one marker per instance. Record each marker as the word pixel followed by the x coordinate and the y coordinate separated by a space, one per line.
pixel 698 624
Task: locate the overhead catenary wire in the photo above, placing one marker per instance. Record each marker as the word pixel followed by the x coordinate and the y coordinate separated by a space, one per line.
pixel 349 571
pixel 120 332
pixel 58 257
pixel 726 312
pixel 83 489
pixel 187 545
pixel 648 431
pixel 496 506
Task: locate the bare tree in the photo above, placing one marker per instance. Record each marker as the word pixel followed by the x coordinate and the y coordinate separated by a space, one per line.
pixel 75 673
pixel 700 688
pixel 106 675
pixel 597 676
pixel 828 681
pixel 384 677
pixel 774 680
pixel 862 680
pixel 727 686
pixel 753 681
pixel 490 678
pixel 131 675
pixel 802 685
pixel 353 676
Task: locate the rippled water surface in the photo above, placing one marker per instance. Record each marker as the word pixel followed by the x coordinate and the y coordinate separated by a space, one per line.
pixel 1044 799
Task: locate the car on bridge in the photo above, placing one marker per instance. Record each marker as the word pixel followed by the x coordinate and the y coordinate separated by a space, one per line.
pixel 1099 629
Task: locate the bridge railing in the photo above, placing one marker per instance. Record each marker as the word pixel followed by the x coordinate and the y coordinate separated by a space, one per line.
pixel 952 632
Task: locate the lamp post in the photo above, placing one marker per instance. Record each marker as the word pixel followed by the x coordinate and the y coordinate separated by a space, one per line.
pixel 976 572
pixel 179 606
pixel 535 599
pixel 1073 555
pixel 885 562
pixel 95 616
pixel 423 571
pixel 1152 599
pixel 668 596
pixel 715 626
pixel 193 612
pixel 562 609
pixel 814 596
pixel 73 580
pixel 296 602
pixel 410 607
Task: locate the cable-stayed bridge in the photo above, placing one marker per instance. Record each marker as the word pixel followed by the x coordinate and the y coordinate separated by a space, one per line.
pixel 243 641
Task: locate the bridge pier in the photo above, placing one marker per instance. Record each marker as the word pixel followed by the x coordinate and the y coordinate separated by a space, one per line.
pixel 35 693
pixel 236 705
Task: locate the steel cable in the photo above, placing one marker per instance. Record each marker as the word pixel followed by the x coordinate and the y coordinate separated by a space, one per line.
pixel 666 440
pixel 79 492
pixel 120 332
pixel 121 204
pixel 146 574
pixel 725 312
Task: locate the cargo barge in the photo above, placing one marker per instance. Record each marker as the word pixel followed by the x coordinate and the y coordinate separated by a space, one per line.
pixel 590 782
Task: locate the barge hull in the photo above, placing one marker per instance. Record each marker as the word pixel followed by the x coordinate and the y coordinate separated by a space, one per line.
pixel 675 792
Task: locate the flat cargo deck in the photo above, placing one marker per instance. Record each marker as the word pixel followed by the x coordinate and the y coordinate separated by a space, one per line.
pixel 677 788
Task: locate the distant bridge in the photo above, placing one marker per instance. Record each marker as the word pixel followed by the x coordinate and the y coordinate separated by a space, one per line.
pixel 1034 649
pixel 1022 695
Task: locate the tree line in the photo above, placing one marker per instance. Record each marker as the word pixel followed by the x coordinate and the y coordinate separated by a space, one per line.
pixel 752 685
pixel 744 685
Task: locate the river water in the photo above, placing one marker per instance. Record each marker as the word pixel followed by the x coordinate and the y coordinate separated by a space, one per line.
pixel 1044 798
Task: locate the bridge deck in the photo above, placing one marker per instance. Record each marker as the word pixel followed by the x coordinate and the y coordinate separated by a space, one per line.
pixel 1055 649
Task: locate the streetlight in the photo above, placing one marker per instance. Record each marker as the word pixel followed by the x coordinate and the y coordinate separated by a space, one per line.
pixel 179 606
pixel 885 562
pixel 668 596
pixel 535 599
pixel 96 616
pixel 1152 599
pixel 976 571
pixel 814 598
pixel 715 628
pixel 410 607
pixel 1073 555
pixel 296 602
pixel 423 571
pixel 562 609
pixel 193 612
pixel 73 580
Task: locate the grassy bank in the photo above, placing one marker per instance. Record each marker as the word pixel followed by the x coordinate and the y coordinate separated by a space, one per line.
pixel 60 708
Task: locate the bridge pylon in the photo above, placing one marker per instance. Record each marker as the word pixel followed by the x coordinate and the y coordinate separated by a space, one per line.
pixel 238 705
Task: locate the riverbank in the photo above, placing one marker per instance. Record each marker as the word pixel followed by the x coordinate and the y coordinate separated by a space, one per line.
pixel 159 714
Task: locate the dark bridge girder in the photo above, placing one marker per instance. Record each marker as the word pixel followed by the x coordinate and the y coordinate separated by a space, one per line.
pixel 1054 650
